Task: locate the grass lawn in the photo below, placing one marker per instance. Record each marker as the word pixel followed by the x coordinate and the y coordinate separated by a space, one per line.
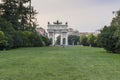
pixel 57 63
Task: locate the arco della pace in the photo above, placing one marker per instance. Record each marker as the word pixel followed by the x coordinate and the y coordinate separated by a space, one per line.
pixel 58 28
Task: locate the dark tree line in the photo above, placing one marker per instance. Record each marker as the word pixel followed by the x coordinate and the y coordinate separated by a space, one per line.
pixel 18 24
pixel 73 40
pixel 90 40
pixel 109 38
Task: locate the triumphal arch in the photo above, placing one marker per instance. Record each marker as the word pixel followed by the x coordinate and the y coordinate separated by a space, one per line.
pixel 58 28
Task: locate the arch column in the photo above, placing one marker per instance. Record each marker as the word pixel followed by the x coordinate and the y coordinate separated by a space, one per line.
pixel 61 39
pixel 66 40
pixel 53 38
pixel 64 35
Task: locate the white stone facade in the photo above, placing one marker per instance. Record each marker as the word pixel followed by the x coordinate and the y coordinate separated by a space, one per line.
pixel 58 28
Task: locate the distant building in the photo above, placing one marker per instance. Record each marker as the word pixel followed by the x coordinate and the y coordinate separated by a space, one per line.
pixel 41 31
pixel 89 33
pixel 71 31
pixel 86 33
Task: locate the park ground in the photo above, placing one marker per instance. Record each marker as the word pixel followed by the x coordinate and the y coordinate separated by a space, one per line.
pixel 58 63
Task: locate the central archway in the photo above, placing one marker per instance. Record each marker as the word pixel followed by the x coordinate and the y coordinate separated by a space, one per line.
pixel 58 28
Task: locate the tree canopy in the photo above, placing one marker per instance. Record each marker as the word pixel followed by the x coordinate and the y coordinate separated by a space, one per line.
pixel 18 25
pixel 20 13
pixel 109 38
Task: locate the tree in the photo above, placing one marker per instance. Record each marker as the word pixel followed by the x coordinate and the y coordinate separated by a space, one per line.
pixel 116 19
pixel 46 40
pixel 18 23
pixel 9 11
pixel 96 42
pixel 107 40
pixel 3 41
pixel 27 15
pixel 91 40
pixel 18 40
pixel 83 40
pixel 36 40
pixel 109 37
pixel 58 40
pixel 117 37
pixel 73 40
pixel 21 15
pixel 8 30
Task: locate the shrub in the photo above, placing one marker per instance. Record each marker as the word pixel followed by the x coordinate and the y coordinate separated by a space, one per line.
pixel 11 38
pixel 107 40
pixel 36 40
pixel 30 39
pixel 26 38
pixel 46 40
pixel 18 40
pixel 8 30
pixel 92 40
pixel 73 40
pixel 3 41
pixel 83 40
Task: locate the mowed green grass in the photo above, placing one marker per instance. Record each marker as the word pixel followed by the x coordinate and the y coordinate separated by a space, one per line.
pixel 58 63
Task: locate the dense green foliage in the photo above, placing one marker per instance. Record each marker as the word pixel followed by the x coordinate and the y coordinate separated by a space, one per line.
pixel 58 40
pixel 58 63
pixel 19 13
pixel 73 40
pixel 8 30
pixel 110 35
pixel 46 40
pixel 83 40
pixel 17 38
pixel 17 25
pixel 90 40
pixel 3 40
pixel 30 39
pixel 107 40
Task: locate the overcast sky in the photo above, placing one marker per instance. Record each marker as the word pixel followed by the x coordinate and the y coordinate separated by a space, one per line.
pixel 82 15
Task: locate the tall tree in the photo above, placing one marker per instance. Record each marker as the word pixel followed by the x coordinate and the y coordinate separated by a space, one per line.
pixel 73 40
pixel 9 11
pixel 116 19
pixel 83 40
pixel 91 40
pixel 20 13
pixel 109 38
